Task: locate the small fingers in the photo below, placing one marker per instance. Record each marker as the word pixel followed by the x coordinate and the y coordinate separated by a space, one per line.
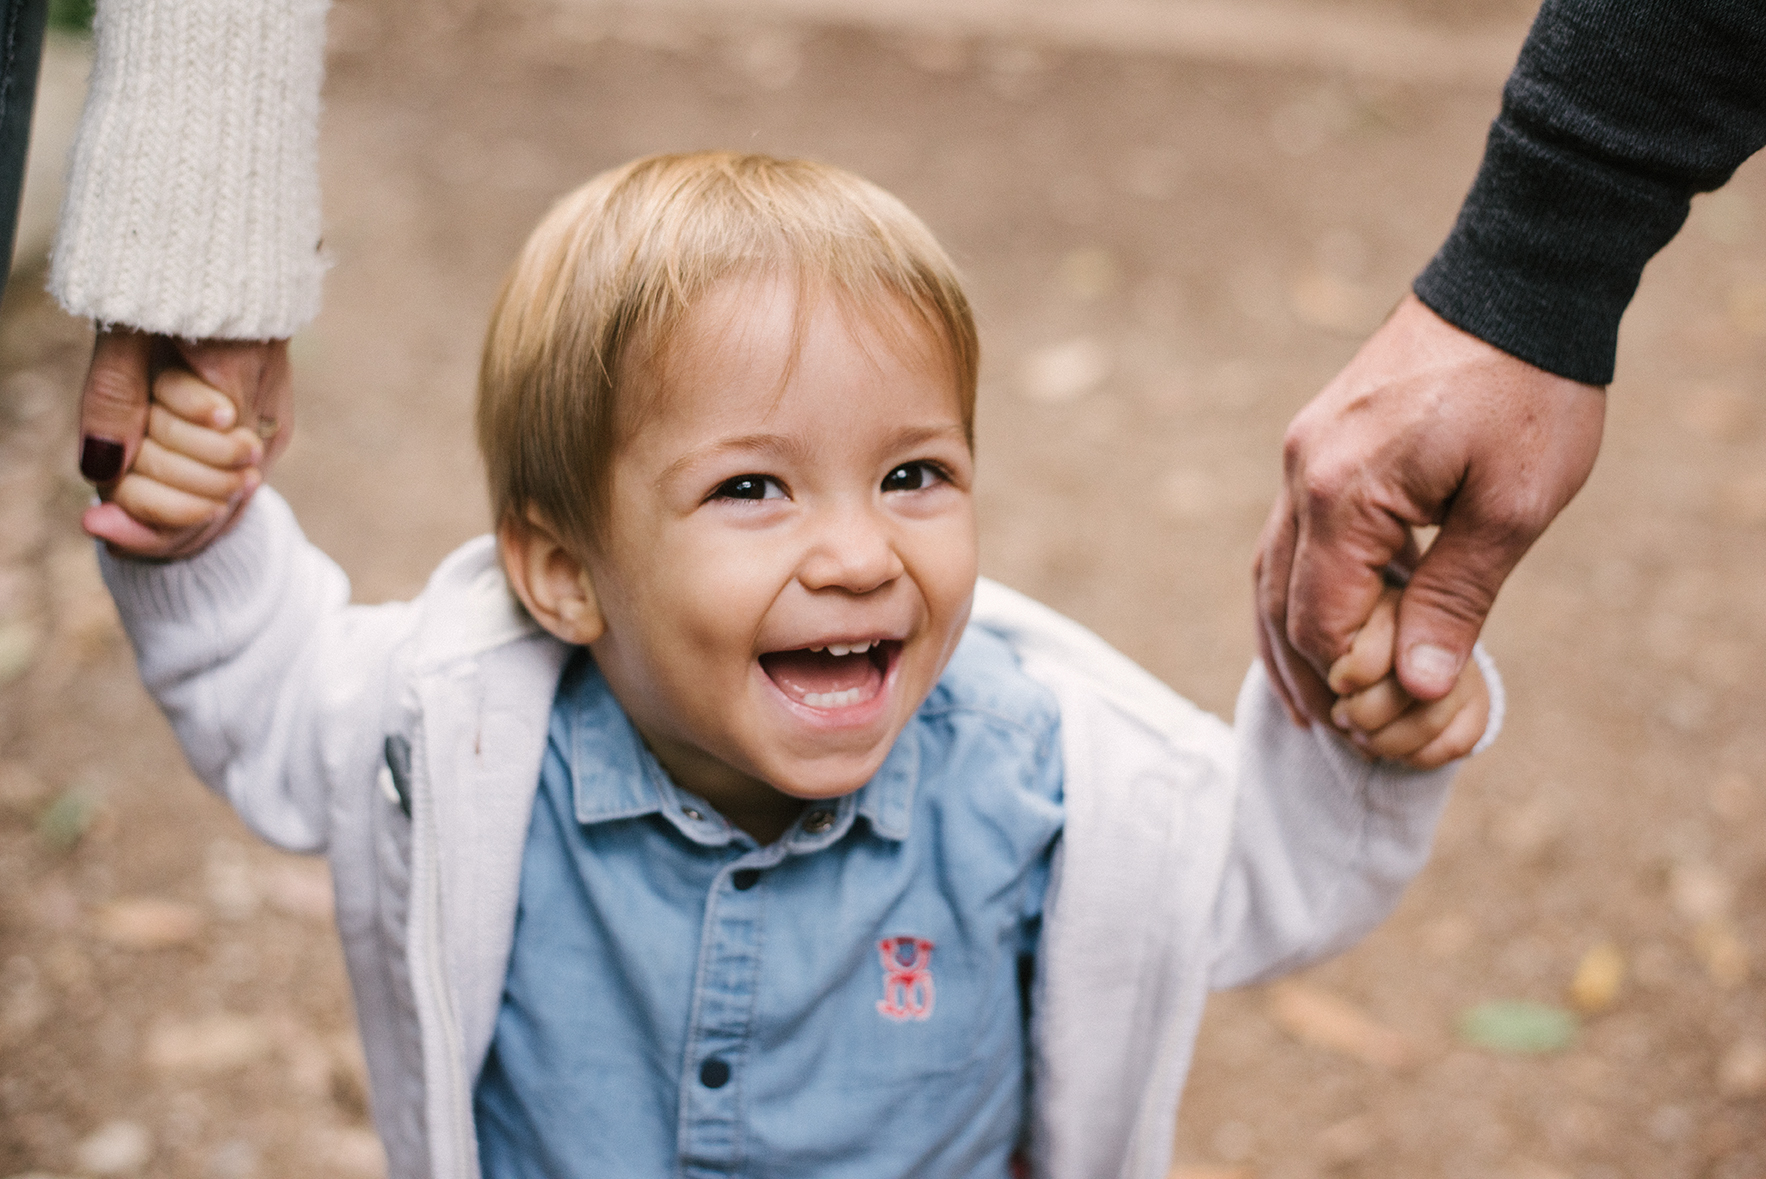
pixel 1457 739
pixel 162 507
pixel 225 449
pixel 192 476
pixel 1369 658
pixel 198 403
pixel 1372 709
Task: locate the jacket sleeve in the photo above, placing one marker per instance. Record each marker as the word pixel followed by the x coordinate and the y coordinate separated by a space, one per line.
pixel 1617 112
pixel 275 686
pixel 1323 841
pixel 192 202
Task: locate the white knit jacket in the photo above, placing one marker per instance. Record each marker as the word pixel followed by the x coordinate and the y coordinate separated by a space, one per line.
pixel 1194 855
pixel 192 202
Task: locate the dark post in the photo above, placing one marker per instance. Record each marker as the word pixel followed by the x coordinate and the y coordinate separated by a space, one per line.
pixel 21 53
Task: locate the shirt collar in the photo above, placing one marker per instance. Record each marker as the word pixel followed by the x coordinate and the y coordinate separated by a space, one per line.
pixel 614 776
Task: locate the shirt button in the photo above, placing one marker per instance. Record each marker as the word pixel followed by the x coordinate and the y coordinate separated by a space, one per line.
pixel 745 878
pixel 714 1074
pixel 692 814
pixel 818 821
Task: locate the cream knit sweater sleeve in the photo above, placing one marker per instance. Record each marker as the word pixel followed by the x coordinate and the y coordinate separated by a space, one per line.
pixel 192 203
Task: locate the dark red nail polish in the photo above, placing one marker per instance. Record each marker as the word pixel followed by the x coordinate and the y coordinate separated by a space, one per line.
pixel 101 460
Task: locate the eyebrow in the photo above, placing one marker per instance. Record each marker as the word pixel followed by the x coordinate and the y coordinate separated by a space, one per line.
pixel 792 447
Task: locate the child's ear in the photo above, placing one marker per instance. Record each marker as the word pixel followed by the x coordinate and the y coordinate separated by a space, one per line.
pixel 549 579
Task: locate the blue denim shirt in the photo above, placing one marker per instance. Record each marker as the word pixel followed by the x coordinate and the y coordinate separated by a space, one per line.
pixel 846 1001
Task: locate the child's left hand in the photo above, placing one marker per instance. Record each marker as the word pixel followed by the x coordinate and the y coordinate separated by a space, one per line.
pixel 194 470
pixel 1383 720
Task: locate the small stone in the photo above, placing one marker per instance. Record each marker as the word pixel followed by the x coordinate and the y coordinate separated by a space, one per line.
pixel 148 923
pixel 1066 371
pixel 216 1044
pixel 1598 978
pixel 1742 1071
pixel 118 1147
pixel 1316 1017
pixel 1518 1027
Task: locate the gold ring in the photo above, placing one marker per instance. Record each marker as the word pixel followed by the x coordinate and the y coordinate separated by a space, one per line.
pixel 268 428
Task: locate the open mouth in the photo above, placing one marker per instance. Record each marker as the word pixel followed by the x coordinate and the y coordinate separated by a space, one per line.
pixel 835 676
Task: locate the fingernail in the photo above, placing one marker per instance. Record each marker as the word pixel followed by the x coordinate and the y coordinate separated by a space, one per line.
pixel 1436 664
pixel 225 416
pixel 101 460
pixel 1340 716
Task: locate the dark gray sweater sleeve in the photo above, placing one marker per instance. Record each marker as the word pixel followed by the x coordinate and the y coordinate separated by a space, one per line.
pixel 1616 114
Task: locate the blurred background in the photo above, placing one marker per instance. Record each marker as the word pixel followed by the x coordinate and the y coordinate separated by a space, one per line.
pixel 1178 219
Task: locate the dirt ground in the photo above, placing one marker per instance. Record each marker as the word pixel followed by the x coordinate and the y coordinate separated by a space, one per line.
pixel 1168 256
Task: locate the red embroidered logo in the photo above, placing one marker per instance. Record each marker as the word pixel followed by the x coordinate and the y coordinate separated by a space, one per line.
pixel 907 978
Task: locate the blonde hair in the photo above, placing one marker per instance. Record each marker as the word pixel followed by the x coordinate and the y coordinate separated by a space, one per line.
pixel 607 275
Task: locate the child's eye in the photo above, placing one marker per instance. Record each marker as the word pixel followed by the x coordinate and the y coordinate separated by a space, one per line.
pixel 749 487
pixel 912 477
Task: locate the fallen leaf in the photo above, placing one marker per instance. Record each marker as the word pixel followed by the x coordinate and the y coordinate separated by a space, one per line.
pixel 1598 978
pixel 1517 1026
pixel 148 923
pixel 1325 1021
pixel 1742 1071
pixel 66 820
pixel 215 1044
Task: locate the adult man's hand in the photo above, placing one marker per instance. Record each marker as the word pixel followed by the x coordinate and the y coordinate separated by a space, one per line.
pixel 1426 425
pixel 255 376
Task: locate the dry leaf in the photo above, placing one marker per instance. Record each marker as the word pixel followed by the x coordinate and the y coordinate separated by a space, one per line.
pixel 147 923
pixel 1598 978
pixel 1315 1017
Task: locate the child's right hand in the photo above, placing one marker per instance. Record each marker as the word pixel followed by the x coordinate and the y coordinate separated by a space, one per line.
pixel 1383 720
pixel 192 472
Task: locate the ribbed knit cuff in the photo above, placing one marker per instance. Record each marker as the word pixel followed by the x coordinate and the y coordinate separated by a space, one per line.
pixel 192 203
pixel 1547 254
pixel 220 581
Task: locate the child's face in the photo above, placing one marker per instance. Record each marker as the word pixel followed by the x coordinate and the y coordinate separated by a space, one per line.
pixel 770 510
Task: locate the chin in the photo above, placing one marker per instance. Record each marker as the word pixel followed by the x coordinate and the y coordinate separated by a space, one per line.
pixel 828 777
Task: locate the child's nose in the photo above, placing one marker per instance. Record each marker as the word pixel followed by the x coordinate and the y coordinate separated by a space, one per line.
pixel 852 551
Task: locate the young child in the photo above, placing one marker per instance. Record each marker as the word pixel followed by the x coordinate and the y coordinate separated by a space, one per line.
pixel 713 819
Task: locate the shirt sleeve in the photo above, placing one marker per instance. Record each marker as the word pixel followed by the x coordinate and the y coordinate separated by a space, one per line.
pixel 192 204
pixel 1618 111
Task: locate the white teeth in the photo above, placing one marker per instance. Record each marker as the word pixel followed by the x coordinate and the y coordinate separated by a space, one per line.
pixel 846 648
pixel 832 699
pixel 837 649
